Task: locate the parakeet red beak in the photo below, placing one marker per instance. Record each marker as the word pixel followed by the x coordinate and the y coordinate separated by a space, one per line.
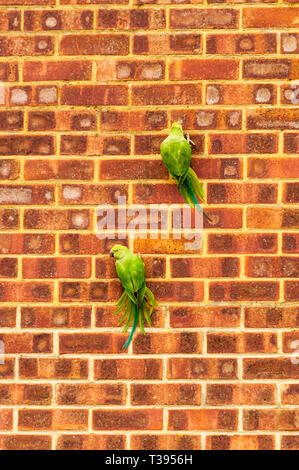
pixel 111 254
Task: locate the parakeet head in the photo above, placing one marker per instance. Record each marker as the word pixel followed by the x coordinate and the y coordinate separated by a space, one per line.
pixel 119 251
pixel 176 128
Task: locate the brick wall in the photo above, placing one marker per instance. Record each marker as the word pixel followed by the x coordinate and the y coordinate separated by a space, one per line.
pixel 90 90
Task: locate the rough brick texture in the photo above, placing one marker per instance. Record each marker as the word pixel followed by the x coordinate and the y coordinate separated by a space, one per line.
pixel 88 91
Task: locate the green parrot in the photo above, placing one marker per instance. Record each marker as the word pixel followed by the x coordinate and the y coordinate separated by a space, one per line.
pixel 137 300
pixel 176 154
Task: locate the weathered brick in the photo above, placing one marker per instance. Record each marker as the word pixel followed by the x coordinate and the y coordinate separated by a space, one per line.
pixel 127 419
pixel 133 369
pixel 165 442
pixel 199 69
pixel 202 420
pixel 241 394
pixel 202 368
pixel 166 394
pixel 53 368
pixel 94 44
pixel 91 441
pixel 52 70
pixel 203 18
pixel 94 394
pixel 240 442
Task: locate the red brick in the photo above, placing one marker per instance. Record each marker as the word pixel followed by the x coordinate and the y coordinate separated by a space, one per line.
pixel 272 119
pixel 240 94
pixel 270 368
pixel 156 95
pixel 27 145
pixel 92 394
pixel 199 317
pixel 273 167
pixel 19 394
pixel 135 169
pixel 202 420
pixel 53 368
pixel 244 291
pixel 19 343
pixel 53 20
pixel 53 419
pixel 165 442
pixel 202 368
pixel 242 243
pixel 240 442
pixel 10 20
pixel 94 44
pixel 204 267
pixel 9 72
pixel 55 317
pixel 25 45
pixel 270 68
pixel 53 70
pixel 112 69
pixel 290 442
pixel 131 19
pixel 9 169
pixel 90 343
pixel 90 441
pixel 270 420
pixel 56 268
pixel 290 394
pixel 235 193
pixel 166 394
pixel 251 143
pixel 272 267
pixel 177 291
pixel 8 317
pixel 133 369
pixel 62 169
pixel 60 219
pixel 241 43
pixel 7 370
pixel 271 317
pixel 241 394
pixel 94 95
pixel 277 17
pixel 20 195
pixel 272 218
pixel 166 44
pixel 128 419
pixel 203 18
pixel 19 291
pixel 16 243
pixel 175 343
pixel 218 168
pixel 199 69
pixel 25 442
pixel 6 419
pixel 290 242
pixel 223 343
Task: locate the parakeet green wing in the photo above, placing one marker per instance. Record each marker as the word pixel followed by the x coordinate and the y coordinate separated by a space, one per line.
pixel 176 154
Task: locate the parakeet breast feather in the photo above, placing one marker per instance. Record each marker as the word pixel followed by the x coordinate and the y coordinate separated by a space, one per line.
pixel 176 154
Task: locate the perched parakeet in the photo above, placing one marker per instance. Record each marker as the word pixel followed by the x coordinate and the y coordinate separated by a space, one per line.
pixel 137 300
pixel 176 154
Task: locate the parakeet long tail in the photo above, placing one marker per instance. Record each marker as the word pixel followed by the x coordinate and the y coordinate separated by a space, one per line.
pixel 135 312
pixel 192 188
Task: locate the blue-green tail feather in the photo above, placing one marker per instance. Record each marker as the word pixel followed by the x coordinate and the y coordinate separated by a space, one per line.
pixel 189 189
pixel 135 323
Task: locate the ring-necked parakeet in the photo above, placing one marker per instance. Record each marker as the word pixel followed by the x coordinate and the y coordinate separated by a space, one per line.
pixel 176 154
pixel 137 300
